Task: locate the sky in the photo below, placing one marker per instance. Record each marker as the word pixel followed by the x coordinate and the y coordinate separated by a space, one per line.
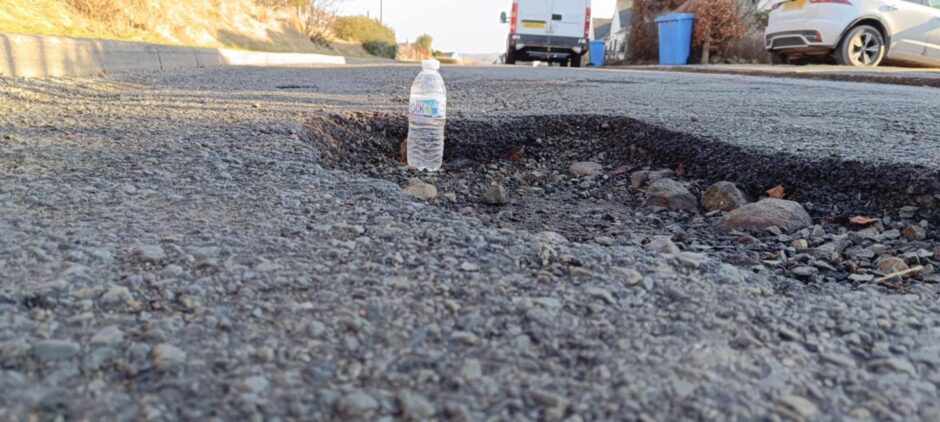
pixel 466 26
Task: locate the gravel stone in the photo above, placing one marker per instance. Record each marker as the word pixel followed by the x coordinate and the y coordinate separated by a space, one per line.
pixel 168 358
pixel 108 336
pixel 53 350
pixel 585 169
pixel 421 190
pixel 548 399
pixel 804 272
pixel 496 195
pixel 471 370
pixel 669 194
pixel 915 232
pixel 605 240
pixel 116 296
pixel 804 408
pixel 862 278
pixel 893 364
pixel 551 237
pixel 644 178
pixel 257 385
pixel 766 213
pixel 358 404
pixel 838 359
pixel 150 253
pixel 892 265
pixel 908 212
pixel 469 267
pixel 890 235
pixel 415 407
pixel 465 337
pixel 663 245
pixel 723 196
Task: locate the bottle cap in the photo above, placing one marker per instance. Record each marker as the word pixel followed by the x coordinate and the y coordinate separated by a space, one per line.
pixel 431 64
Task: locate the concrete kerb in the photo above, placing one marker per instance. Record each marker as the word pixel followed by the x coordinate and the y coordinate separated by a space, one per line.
pixel 36 56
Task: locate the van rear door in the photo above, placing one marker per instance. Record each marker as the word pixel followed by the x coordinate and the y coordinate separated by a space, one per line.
pixel 534 17
pixel 569 17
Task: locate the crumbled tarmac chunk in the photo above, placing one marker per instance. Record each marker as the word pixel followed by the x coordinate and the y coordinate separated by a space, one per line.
pixel 766 213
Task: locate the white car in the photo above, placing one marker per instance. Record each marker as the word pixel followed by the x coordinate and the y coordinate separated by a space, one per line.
pixel 855 32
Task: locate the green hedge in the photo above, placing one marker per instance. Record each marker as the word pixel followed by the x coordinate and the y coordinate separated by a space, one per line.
pixel 381 49
pixel 363 29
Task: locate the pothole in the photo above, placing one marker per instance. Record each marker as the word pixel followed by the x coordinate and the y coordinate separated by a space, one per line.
pixel 531 157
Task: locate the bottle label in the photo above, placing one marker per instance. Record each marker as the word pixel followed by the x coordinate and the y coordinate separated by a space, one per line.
pixel 429 108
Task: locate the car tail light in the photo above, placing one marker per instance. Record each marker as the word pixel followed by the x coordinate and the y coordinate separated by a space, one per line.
pixel 515 17
pixel 587 23
pixel 845 2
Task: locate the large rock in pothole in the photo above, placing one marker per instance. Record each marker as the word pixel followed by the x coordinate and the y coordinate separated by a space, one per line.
pixel 670 194
pixel 496 195
pixel 723 196
pixel 892 264
pixel 585 168
pixel 766 213
pixel 663 245
pixel 421 190
pixel 646 177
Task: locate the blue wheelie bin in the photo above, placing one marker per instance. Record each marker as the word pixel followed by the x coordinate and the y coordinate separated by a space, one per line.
pixel 675 38
pixel 598 50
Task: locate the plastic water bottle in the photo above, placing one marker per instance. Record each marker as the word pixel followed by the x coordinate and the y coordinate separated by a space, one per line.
pixel 427 113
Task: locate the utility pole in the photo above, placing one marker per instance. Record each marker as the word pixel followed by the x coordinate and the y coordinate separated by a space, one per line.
pixel 382 11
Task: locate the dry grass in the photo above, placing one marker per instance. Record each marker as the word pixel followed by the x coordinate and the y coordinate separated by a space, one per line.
pixel 239 24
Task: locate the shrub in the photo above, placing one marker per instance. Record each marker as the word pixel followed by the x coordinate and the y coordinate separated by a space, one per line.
pixel 363 29
pixel 716 22
pixel 381 49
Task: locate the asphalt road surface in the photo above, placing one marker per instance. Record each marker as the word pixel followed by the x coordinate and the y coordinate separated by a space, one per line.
pixel 172 249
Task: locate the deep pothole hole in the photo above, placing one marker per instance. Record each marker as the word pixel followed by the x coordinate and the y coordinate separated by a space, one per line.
pixel 531 156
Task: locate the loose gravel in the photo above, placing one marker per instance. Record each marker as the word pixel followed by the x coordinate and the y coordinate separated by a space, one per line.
pixel 173 248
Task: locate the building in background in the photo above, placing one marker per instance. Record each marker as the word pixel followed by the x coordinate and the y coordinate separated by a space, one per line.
pixel 619 40
pixel 411 52
pixel 600 29
pixel 453 55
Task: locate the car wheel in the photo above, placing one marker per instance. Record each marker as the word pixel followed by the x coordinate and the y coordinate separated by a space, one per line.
pixel 778 58
pixel 862 46
pixel 510 58
pixel 576 61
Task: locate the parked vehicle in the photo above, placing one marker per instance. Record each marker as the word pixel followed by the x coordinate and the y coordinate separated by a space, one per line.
pixel 549 30
pixel 855 32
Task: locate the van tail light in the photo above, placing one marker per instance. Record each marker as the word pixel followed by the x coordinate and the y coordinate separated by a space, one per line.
pixel 587 23
pixel 513 23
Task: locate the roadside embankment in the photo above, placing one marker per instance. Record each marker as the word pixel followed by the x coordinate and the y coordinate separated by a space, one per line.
pixel 36 56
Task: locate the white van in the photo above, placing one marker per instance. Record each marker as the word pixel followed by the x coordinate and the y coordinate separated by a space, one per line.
pixel 549 30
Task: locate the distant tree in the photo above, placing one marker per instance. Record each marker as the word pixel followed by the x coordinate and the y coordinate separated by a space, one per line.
pixel 424 42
